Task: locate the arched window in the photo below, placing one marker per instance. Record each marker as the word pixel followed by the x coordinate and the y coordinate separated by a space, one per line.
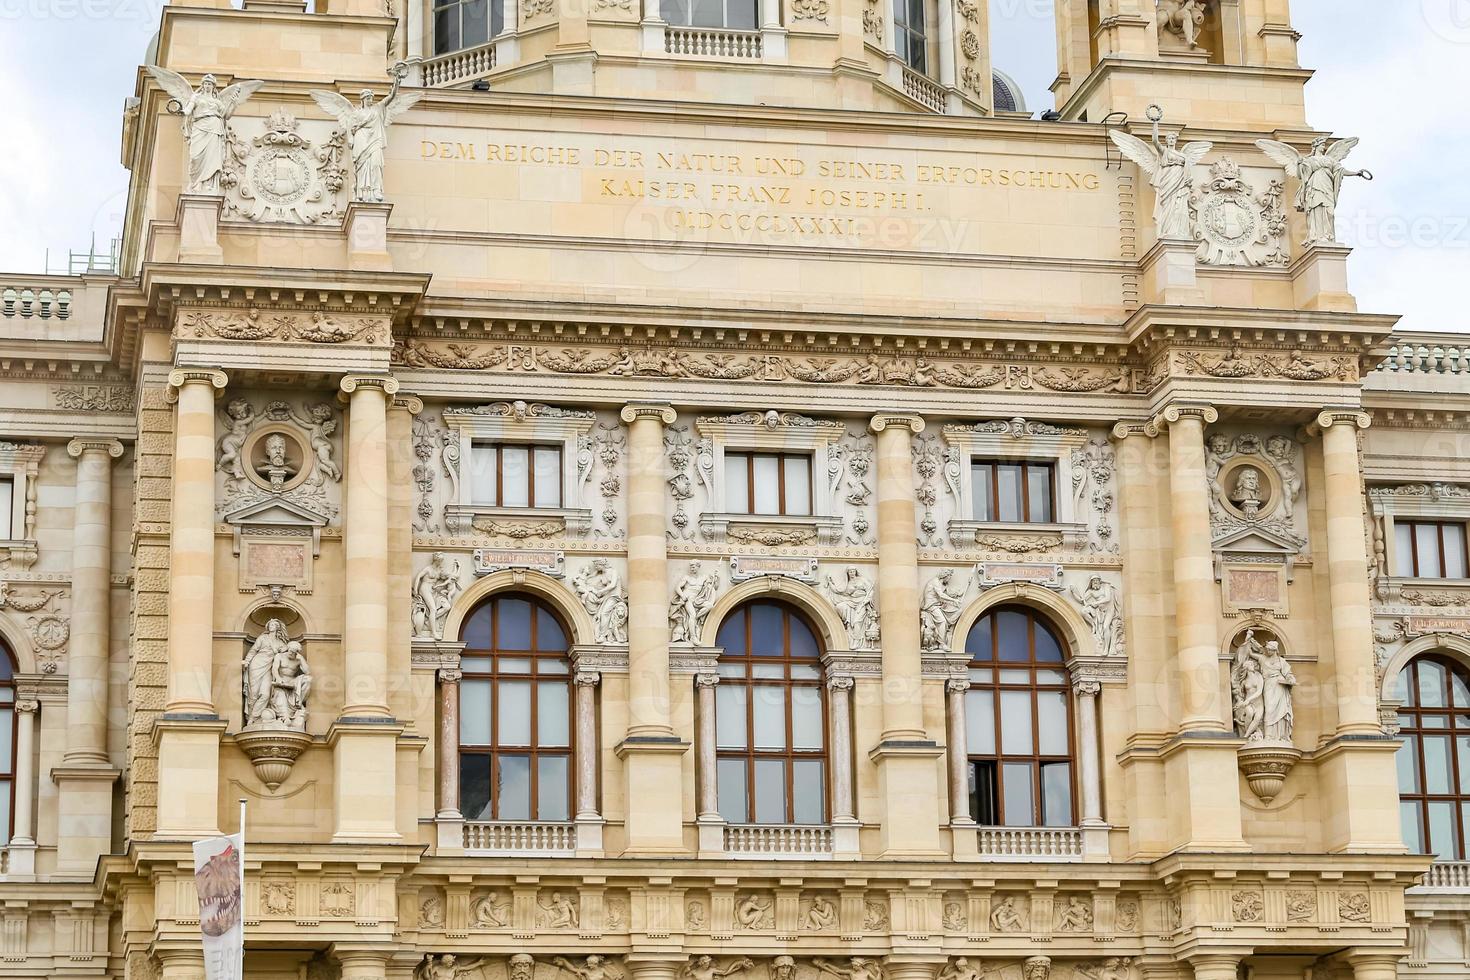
pixel 515 731
pixel 770 718
pixel 1018 719
pixel 7 741
pixel 1434 760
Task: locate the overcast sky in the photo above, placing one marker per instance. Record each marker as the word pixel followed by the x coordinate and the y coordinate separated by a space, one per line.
pixel 1394 72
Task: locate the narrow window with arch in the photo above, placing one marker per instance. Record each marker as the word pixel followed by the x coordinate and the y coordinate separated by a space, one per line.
pixel 1018 719
pixel 1434 759
pixel 515 730
pixel 770 718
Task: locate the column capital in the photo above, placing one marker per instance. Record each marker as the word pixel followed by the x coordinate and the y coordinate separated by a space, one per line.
pixel 706 680
pixel 1177 411
pixel 412 404
pixel 1135 427
pixel 839 682
pixel 665 414
pixel 385 382
pixel 179 377
pixel 27 705
pixel 1086 688
pixel 82 444
pixel 884 420
pixel 957 685
pixel 1370 964
pixel 450 675
pixel 1343 416
pixel 587 678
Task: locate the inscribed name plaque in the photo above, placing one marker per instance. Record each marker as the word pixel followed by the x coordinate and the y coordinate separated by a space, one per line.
pixel 1423 625
pixel 275 562
pixel 1254 587
pixel 745 567
pixel 489 560
pixel 993 573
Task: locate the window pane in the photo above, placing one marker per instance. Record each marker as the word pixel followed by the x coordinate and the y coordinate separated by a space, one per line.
pixel 7 736
pixel 805 672
pixel 472 23
pixel 708 13
pixel 7 501
pixel 770 718
pixel 1462 750
pixel 552 714
pixel 1408 694
pixel 798 484
pixel 737 476
pixel 766 633
pixel 515 476
pixel 980 474
pixel 513 665
pixel 768 671
pixel 803 643
pixel 770 791
pixel 1408 766
pixel 1442 841
pixel 1431 685
pixel 730 787
pixel 515 787
pixel 474 786
pixel 809 792
pixel 497 18
pixel 473 665
pixel 1048 650
pixel 549 635
pixel 741 14
pixel 1411 818
pixel 1436 763
pixel 730 716
pixel 1018 807
pixel 548 477
pixel 731 637
pixel 515 713
pixel 1038 489
pixel 1008 479
pixel 675 11
pixel 551 788
pixel 978 642
pixel 1461 689
pixel 1426 540
pixel 982 793
pixel 806 718
pixel 446 29
pixel 1403 549
pixel 1010 636
pixel 1454 551
pixel 1015 722
pixel 474 712
pixel 514 624
pixel 767 485
pixel 1051 720
pixel 1056 794
pixel 482 480
pixel 980 722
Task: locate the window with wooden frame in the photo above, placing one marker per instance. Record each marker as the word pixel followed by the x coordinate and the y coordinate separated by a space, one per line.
pixel 7 741
pixel 1013 492
pixel 1434 758
pixel 770 718
pixel 768 483
pixel 733 15
pixel 910 38
pixel 512 474
pixel 460 24
pixel 1018 721
pixel 1430 549
pixel 515 723
pixel 7 505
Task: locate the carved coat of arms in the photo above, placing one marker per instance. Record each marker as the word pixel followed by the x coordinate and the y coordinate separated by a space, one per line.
pixel 281 175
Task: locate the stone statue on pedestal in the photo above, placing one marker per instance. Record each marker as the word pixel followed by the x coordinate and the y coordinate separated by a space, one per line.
pixel 1170 171
pixel 1320 174
pixel 367 126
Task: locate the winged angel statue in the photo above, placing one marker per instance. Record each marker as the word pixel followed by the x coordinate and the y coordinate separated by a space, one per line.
pixel 1320 174
pixel 1170 171
pixel 367 124
pixel 206 115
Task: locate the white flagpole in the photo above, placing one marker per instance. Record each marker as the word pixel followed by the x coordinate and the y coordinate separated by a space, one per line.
pixel 240 967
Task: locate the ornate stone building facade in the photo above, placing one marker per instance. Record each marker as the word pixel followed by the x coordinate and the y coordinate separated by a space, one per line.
pixel 661 492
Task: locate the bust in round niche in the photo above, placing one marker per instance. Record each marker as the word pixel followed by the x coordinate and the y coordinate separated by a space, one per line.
pixel 276 459
pixel 1248 491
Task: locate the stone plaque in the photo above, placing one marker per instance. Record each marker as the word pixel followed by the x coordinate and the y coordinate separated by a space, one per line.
pixel 993 573
pixel 275 562
pixel 489 560
pixel 1420 625
pixel 1254 587
pixel 744 567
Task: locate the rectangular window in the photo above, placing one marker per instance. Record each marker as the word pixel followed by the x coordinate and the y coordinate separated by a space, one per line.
pixel 909 37
pixel 515 475
pixel 768 483
pixel 7 507
pixel 1013 493
pixel 460 24
pixel 1430 549
pixel 732 15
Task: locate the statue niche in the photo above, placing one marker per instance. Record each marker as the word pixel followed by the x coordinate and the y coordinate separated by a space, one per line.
pixel 275 683
pixel 1261 686
pixel 1191 28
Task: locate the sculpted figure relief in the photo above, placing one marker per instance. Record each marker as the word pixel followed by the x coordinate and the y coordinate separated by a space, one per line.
pixel 490 912
pixel 938 610
pixel 593 968
pixel 1170 171
pixel 601 592
pixel 435 588
pixel 1101 609
pixel 367 125
pixel 755 911
pixel 821 915
pixel 959 969
pixel 703 968
pixel 1261 682
pixel 694 597
pixel 1006 917
pixel 1320 175
pixel 857 604
pixel 858 968
pixel 446 967
pixel 1185 19
pixel 1075 916
pixel 275 679
pixel 238 417
pixel 206 115
pixel 1036 968
pixel 559 913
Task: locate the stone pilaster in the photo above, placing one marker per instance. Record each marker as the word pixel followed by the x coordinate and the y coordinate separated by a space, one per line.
pixel 905 754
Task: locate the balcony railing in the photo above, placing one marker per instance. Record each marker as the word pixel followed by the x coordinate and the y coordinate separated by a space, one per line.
pixel 1030 843
pixel 469 63
pixel 503 837
pixel 1448 876
pixel 1427 357
pixel 923 90
pixel 754 841
pixel 43 303
pixel 706 42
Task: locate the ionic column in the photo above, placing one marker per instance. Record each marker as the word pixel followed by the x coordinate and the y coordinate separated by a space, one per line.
pixel 365 546
pixel 586 682
pixel 709 797
pixel 905 754
pixel 959 752
pixel 86 685
pixel 1216 966
pixel 361 964
pixel 449 744
pixel 1374 965
pixel 1196 598
pixel 1089 770
pixel 23 833
pixel 651 749
pixel 1347 574
pixel 191 545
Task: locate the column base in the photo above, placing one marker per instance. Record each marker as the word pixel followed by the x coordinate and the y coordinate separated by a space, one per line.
pixel 652 770
pixel 188 775
pixel 773 44
pixel 84 816
pixel 198 219
pixel 449 832
pixel 964 843
pixel 711 837
pixel 366 226
pixel 653 36
pixel 365 761
pixel 845 846
pixel 908 783
pixel 21 857
pixel 1095 843
pixel 589 835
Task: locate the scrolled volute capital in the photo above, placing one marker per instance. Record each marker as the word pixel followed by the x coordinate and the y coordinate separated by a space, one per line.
pixel 957 685
pixel 450 675
pixel 385 383
pixel 27 705
pixel 179 377
pixel 587 678
pixel 665 414
pixel 1086 688
pixel 1343 416
pixel 706 680
pixel 80 445
pixel 1207 414
pixel 896 420
pixel 412 404
pixel 1135 427
pixel 839 683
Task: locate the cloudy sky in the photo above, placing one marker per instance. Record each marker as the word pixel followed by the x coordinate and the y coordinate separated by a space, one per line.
pixel 1394 72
